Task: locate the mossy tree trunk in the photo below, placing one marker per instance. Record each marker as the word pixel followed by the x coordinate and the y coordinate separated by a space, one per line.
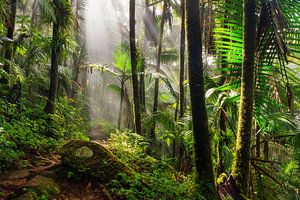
pixel 10 25
pixel 134 74
pixel 156 85
pixel 202 138
pixel 242 154
pixel 220 168
pixel 55 51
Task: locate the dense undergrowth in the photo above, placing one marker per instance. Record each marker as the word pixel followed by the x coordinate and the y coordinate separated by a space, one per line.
pixel 153 178
pixel 25 129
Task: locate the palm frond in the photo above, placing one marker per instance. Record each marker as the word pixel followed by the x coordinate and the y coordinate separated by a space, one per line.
pixel 3 10
pixel 273 38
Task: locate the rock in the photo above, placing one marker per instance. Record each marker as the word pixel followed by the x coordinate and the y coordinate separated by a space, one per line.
pixel 14 175
pixel 41 184
pixel 93 159
pixel 14 179
pixel 27 196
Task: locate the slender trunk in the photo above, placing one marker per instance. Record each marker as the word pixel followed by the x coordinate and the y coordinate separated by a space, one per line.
pixel 176 110
pixel 257 142
pixel 156 86
pixel 142 87
pixel 50 106
pixel 220 165
pixel 202 138
pixel 266 150
pixel 121 105
pixel 143 66
pixel 181 78
pixel 242 154
pixel 34 13
pixel 10 25
pixel 182 61
pixel 134 74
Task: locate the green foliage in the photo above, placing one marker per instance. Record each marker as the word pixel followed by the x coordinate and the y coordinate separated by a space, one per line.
pixel 26 129
pixel 273 76
pixel 3 10
pixel 154 179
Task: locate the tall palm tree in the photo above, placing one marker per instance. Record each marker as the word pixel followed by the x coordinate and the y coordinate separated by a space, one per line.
pixel 242 157
pixel 202 139
pixel 134 72
pixel 277 38
pixel 182 61
pixel 158 59
pixel 61 22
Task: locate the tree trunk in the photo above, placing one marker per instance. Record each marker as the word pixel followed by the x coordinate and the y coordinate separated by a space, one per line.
pixel 257 141
pixel 50 106
pixel 142 87
pixel 202 138
pixel 223 141
pixel 266 149
pixel 242 154
pixel 156 86
pixel 10 25
pixel 182 54
pixel 121 105
pixel 181 78
pixel 142 75
pixel 134 74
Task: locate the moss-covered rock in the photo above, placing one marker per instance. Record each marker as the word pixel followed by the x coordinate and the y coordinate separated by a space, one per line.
pixel 42 185
pixel 93 159
pixel 27 196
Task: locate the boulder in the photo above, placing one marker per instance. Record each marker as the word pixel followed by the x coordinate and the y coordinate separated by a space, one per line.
pixel 27 196
pixel 93 159
pixel 14 175
pixel 41 184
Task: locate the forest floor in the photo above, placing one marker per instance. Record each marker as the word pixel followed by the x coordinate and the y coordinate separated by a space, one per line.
pixel 13 182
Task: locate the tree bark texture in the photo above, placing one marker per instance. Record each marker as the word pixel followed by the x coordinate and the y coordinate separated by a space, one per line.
pixel 50 106
pixel 242 154
pixel 202 138
pixel 134 74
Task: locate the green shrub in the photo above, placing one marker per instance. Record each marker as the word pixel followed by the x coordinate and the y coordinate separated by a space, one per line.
pixel 154 179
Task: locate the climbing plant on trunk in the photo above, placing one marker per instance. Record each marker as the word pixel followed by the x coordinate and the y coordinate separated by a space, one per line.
pixel 242 154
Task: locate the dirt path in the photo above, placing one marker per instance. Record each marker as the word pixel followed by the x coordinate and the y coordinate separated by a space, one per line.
pixel 83 189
